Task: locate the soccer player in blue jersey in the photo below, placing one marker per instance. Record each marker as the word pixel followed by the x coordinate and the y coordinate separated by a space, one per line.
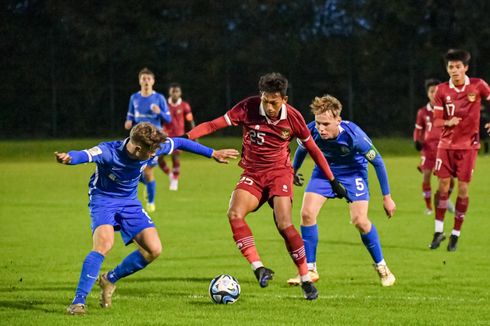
pixel 148 106
pixel 114 205
pixel 348 150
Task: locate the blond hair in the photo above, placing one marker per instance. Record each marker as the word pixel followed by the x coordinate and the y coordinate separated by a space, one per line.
pixel 147 134
pixel 326 103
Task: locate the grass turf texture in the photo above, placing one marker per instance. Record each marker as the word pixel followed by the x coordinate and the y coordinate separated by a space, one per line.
pixel 46 235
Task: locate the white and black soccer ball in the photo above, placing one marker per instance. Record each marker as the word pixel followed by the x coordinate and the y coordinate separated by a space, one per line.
pixel 224 289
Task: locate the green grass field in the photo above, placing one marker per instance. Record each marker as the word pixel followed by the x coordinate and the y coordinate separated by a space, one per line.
pixel 46 234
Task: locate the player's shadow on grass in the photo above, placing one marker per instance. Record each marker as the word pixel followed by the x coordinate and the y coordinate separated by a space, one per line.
pixel 168 279
pixel 36 289
pixel 27 305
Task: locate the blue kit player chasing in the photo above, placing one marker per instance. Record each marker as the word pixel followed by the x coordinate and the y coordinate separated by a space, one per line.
pixel 348 150
pixel 114 205
pixel 148 106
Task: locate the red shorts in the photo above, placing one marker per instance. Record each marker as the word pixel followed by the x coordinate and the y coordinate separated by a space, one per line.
pixel 266 184
pixel 457 163
pixel 428 157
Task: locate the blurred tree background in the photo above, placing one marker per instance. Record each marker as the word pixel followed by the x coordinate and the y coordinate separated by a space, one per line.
pixel 69 67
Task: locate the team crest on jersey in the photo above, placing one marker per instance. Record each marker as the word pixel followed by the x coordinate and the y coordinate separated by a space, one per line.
pixel 285 133
pixel 471 97
pixel 371 154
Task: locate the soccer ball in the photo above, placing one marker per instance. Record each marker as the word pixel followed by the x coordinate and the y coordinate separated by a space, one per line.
pixel 224 289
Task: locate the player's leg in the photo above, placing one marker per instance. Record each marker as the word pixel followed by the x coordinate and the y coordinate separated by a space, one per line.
pixel 102 242
pixel 426 190
pixel 444 169
pixel 462 203
pixel 163 165
pixel 369 235
pixel 174 179
pixel 150 188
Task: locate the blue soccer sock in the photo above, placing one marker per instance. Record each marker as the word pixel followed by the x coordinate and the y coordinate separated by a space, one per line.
pixel 131 264
pixel 371 241
pixel 151 190
pixel 88 276
pixel 310 238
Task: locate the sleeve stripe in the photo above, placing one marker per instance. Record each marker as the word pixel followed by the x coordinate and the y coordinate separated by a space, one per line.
pixel 89 156
pixel 438 107
pixel 306 139
pixel 172 145
pixel 227 118
pixel 130 115
pixel 418 126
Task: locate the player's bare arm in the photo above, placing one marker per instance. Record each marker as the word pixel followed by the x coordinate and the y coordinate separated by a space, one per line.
pixel 62 158
pixel 128 124
pixel 389 206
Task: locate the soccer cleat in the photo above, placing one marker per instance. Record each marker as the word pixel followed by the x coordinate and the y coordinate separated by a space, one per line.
pixel 309 290
pixel 107 290
pixel 436 241
pixel 150 207
pixel 77 309
pixel 263 275
pixel 314 276
pixel 453 243
pixel 385 275
pixel 450 207
pixel 428 211
pixel 174 184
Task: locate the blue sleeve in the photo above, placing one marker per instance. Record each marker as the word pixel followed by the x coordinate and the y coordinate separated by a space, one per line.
pixel 365 147
pixel 187 145
pixel 130 114
pixel 78 157
pixel 164 111
pixel 299 156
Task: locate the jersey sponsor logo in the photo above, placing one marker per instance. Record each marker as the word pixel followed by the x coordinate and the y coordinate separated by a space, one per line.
pixel 285 188
pixel 257 127
pixel 371 154
pixel 360 194
pixel 448 98
pixel 471 97
pixel 285 133
pixel 94 151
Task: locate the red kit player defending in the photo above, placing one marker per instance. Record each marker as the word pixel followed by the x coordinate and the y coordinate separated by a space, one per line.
pixel 426 137
pixel 181 113
pixel 457 109
pixel 269 125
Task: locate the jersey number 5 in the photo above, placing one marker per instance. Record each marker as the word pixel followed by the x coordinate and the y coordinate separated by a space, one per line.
pixel 257 137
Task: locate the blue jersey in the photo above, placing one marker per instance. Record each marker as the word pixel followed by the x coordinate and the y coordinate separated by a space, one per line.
pixel 349 153
pixel 117 175
pixel 140 109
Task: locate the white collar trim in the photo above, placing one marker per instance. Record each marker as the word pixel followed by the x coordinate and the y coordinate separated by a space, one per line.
pixel 284 114
pixel 466 83
pixel 429 107
pixel 179 102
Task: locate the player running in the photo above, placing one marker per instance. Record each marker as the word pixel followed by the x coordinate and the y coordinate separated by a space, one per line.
pixel 148 106
pixel 114 205
pixel 269 125
pixel 426 137
pixel 457 110
pixel 348 150
pixel 181 113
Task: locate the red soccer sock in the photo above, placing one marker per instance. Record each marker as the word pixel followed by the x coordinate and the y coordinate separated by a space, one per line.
pixel 461 208
pixel 427 195
pixel 244 240
pixel 296 248
pixel 441 205
pixel 176 166
pixel 163 165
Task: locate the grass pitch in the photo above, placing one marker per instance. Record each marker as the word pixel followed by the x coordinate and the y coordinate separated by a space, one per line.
pixel 46 234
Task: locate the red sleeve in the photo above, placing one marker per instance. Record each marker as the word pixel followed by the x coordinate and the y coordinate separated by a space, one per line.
pixel 207 128
pixel 418 131
pixel 187 108
pixel 438 108
pixel 484 90
pixel 317 156
pixel 237 114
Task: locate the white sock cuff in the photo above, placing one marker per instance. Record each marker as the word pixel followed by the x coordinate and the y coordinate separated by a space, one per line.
pixel 256 264
pixel 439 226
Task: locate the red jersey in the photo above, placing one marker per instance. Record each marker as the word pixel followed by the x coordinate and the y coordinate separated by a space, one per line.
pixel 425 131
pixel 180 112
pixel 463 102
pixel 266 142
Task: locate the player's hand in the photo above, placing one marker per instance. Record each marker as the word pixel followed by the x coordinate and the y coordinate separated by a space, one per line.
pixel 222 155
pixel 62 158
pixel 298 179
pixel 418 145
pixel 340 190
pixel 389 206
pixel 155 109
pixel 128 124
pixel 487 126
pixel 454 121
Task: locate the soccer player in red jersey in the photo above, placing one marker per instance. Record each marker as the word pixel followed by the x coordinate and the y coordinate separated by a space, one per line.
pixel 269 125
pixel 457 109
pixel 426 137
pixel 181 113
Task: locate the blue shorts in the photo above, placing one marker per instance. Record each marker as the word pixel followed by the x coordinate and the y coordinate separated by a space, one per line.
pixel 355 182
pixel 127 216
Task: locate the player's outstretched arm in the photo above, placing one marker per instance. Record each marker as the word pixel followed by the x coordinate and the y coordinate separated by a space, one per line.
pixel 72 157
pixel 207 128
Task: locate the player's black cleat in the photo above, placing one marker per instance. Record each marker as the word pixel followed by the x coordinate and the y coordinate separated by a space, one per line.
pixel 309 290
pixel 453 243
pixel 263 275
pixel 436 241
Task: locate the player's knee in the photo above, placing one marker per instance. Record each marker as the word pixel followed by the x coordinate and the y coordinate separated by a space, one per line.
pixel 361 223
pixel 308 217
pixel 103 247
pixel 233 214
pixel 155 251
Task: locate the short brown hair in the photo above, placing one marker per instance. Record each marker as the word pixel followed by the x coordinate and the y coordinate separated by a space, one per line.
pixel 145 71
pixel 273 82
pixel 326 103
pixel 147 134
pixel 457 55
